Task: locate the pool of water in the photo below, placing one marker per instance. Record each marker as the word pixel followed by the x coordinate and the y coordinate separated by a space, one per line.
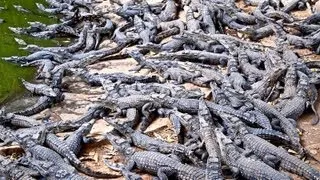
pixel 10 85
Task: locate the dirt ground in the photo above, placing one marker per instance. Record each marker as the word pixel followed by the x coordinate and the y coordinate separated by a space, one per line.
pixel 80 96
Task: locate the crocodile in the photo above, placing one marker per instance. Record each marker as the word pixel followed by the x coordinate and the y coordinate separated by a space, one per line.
pixel 207 22
pixel 277 156
pixel 286 124
pixel 77 138
pixel 208 137
pixel 253 73
pixel 296 106
pixel 90 39
pixel 171 24
pixel 11 169
pixel 149 88
pixel 238 82
pixel 44 67
pixel 171 46
pixel 192 24
pixel 170 11
pixel 43 103
pixel 197 56
pixel 148 143
pixel 50 170
pixel 96 79
pixel 166 33
pixel 39 89
pixel 18 120
pixel 168 69
pixel 248 168
pixel 62 148
pixel 262 88
pixel 269 134
pixel 154 162
pixel 141 28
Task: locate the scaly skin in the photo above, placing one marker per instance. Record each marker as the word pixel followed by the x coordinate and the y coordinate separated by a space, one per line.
pixel 13 170
pixel 207 21
pixel 247 167
pixel 90 39
pixel 198 56
pixel 248 69
pixel 193 24
pixel 269 134
pixel 95 79
pixel 290 83
pixel 21 121
pixel 43 103
pixel 262 120
pixel 50 170
pixel 208 136
pixel 170 12
pixel 263 149
pixel 171 24
pixel 269 80
pixel 39 89
pixel 167 33
pixel 296 106
pixel 95 111
pixel 162 165
pixel 150 144
pixel 6 135
pixel 75 140
pixel 285 123
pixel 63 149
pixel 154 162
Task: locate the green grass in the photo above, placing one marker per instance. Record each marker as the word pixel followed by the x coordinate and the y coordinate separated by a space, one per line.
pixel 10 85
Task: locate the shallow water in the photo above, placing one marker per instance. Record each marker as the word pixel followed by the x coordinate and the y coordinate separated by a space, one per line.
pixel 10 85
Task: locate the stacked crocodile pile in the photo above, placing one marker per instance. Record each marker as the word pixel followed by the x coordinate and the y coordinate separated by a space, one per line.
pixel 257 92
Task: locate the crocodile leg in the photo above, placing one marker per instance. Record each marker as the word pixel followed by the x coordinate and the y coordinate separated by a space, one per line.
pixel 164 172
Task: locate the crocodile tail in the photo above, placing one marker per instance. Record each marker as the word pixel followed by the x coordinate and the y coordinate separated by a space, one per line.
pixel 87 171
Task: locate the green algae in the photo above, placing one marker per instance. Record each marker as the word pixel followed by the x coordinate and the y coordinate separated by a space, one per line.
pixel 10 84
